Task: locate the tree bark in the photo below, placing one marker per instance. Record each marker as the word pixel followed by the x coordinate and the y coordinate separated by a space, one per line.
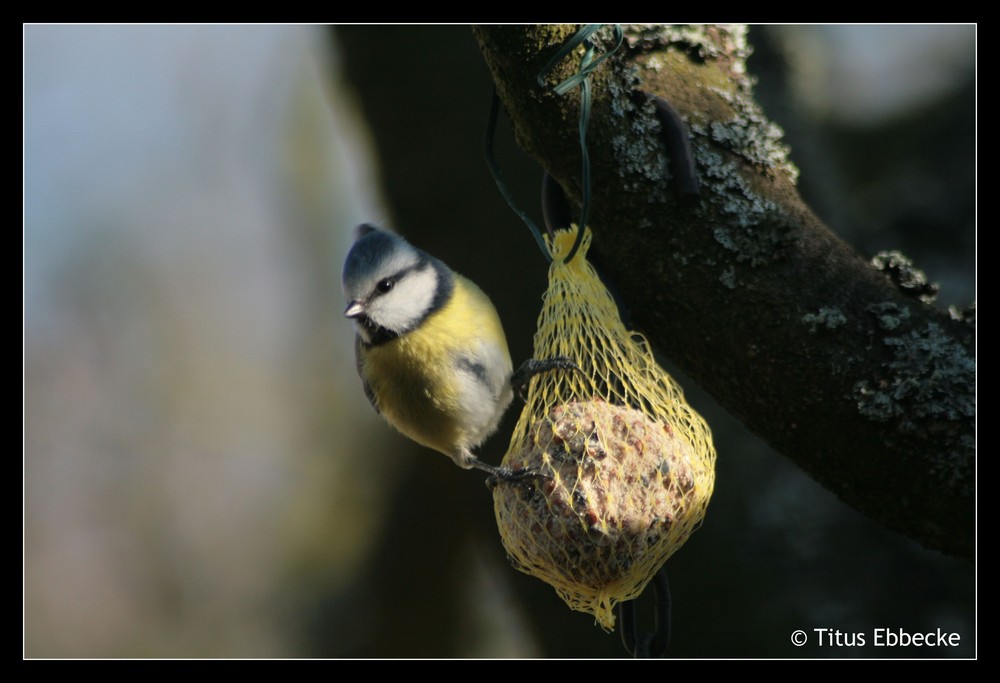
pixel 839 362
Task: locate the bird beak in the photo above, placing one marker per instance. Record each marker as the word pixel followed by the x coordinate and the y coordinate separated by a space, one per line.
pixel 354 309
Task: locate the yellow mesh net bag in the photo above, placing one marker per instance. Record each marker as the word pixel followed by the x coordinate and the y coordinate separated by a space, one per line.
pixel 627 467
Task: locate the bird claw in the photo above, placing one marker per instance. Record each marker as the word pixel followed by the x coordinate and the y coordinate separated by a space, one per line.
pixel 506 475
pixel 521 378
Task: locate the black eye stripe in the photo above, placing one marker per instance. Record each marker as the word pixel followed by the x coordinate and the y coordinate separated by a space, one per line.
pixel 386 284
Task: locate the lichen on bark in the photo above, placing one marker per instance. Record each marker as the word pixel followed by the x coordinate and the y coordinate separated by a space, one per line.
pixel 728 288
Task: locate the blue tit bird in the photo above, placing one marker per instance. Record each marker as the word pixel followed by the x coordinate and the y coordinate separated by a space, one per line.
pixel 431 351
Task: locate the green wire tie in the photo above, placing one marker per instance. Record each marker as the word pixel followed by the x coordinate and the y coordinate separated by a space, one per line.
pixel 587 65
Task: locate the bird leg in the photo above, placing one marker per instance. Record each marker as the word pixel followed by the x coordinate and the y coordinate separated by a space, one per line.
pixel 522 376
pixel 506 475
pixel 498 473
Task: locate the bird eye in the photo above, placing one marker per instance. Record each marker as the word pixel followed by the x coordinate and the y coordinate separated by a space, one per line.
pixel 384 286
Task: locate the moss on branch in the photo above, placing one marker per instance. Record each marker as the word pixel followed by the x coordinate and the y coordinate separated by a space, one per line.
pixel 840 364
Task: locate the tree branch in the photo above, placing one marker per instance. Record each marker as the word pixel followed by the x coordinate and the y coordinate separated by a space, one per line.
pixel 839 364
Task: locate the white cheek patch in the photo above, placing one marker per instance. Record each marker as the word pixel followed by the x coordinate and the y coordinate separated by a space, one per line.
pixel 408 303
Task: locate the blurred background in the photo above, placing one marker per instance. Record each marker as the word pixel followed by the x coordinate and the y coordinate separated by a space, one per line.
pixel 202 474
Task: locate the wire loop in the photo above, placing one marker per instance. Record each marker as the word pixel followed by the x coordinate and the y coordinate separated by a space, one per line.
pixel 581 78
pixel 587 65
pixel 653 644
pixel 498 176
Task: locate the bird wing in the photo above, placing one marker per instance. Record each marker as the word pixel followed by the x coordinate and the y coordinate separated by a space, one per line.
pixel 366 387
